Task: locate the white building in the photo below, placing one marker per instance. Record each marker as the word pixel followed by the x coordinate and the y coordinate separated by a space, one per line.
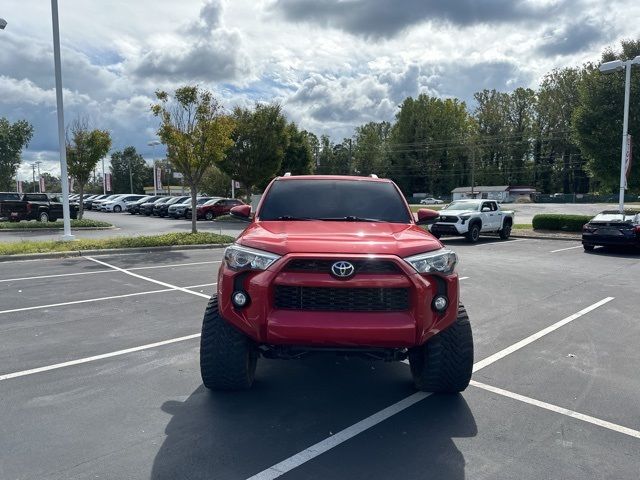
pixel 501 193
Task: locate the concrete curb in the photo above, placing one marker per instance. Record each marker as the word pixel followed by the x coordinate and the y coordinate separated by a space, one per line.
pixel 542 236
pixel 107 251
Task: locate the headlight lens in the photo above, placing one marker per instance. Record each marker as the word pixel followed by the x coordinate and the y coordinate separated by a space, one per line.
pixel 245 258
pixel 439 261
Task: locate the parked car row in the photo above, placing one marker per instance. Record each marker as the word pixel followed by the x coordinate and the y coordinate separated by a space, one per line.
pixel 161 206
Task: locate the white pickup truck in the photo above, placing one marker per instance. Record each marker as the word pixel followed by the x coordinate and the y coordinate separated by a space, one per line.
pixel 471 217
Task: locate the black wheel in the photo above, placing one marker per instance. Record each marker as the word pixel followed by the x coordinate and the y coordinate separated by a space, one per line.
pixel 228 358
pixel 208 216
pixel 43 217
pixel 444 364
pixel 505 233
pixel 474 233
pixel 117 209
pixel 588 248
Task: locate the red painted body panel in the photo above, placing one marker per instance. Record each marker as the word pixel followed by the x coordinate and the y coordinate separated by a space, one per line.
pixel 266 324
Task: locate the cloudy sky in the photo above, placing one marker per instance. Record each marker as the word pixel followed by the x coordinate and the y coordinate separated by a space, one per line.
pixel 332 64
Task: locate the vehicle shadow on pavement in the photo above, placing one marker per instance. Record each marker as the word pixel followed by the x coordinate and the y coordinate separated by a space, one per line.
pixel 618 252
pixel 295 404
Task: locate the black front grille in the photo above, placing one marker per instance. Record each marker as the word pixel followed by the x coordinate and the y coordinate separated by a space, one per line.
pixel 446 219
pixel 324 266
pixel 342 299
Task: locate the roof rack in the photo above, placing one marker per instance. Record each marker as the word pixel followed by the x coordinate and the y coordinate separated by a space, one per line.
pixel 373 175
pixel 288 174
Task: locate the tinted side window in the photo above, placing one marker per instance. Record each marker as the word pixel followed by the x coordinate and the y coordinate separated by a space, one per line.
pixel 9 196
pixel 36 197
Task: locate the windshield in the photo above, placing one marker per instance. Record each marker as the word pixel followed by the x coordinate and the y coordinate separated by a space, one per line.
pixel 212 201
pixel 462 205
pixel 334 200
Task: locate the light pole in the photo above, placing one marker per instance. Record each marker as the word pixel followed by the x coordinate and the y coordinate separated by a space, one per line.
pixel 63 147
pixel 616 66
pixel 153 144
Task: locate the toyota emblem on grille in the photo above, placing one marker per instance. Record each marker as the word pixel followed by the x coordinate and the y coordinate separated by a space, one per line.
pixel 343 269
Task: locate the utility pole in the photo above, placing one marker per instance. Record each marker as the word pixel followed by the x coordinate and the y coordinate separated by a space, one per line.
pixel 350 158
pixel 33 171
pixel 473 170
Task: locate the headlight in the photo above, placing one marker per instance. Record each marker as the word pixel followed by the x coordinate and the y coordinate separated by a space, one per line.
pixel 464 218
pixel 241 258
pixel 439 261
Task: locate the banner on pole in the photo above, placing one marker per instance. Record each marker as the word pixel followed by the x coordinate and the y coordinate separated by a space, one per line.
pixel 71 183
pixel 107 181
pixel 42 186
pixel 627 161
pixel 159 178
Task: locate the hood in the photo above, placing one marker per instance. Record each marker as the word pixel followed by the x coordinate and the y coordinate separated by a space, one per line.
pixel 457 213
pixel 347 238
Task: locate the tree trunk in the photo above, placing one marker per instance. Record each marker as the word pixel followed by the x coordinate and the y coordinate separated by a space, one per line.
pixel 81 202
pixel 194 213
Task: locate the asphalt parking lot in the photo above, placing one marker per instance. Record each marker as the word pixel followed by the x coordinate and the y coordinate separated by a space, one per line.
pixel 99 378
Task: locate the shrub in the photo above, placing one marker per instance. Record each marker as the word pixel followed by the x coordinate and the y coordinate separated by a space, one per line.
pixel 566 223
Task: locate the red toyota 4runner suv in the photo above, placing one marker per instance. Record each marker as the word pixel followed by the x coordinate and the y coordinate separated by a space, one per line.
pixel 337 264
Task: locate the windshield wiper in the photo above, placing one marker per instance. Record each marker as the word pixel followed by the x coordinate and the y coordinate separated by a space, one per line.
pixel 352 218
pixel 292 218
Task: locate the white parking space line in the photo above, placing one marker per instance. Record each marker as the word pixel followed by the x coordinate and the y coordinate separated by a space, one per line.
pixel 96 357
pixel 90 300
pixel 503 242
pixel 342 436
pixel 463 278
pixel 564 249
pixel 563 411
pixel 323 446
pixel 106 271
pixel 532 338
pixel 142 277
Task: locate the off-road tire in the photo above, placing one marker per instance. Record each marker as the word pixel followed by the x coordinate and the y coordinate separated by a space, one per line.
pixel 117 209
pixel 209 216
pixel 43 217
pixel 588 248
pixel 228 358
pixel 444 364
pixel 505 231
pixel 474 233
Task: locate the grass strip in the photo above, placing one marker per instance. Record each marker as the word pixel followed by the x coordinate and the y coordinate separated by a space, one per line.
pixel 33 225
pixel 168 239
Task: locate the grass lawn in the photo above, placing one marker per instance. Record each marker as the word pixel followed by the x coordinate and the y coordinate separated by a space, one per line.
pixel 169 239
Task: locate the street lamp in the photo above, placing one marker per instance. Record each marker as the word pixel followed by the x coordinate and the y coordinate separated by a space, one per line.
pixel 61 138
pixel 153 144
pixel 611 67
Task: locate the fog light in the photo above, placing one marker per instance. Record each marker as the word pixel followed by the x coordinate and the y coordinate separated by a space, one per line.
pixel 440 303
pixel 240 299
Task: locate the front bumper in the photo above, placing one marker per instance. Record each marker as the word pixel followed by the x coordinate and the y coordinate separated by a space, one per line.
pixel 442 228
pixel 595 239
pixel 268 324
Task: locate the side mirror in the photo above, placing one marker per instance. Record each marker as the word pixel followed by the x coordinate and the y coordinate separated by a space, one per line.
pixel 427 216
pixel 241 212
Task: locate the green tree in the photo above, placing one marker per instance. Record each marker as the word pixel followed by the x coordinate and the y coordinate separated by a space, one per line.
pixel 13 138
pixel 597 121
pixel 85 148
pixel 130 171
pixel 371 149
pixel 298 155
pixel 259 143
pixel 196 132
pixel 216 183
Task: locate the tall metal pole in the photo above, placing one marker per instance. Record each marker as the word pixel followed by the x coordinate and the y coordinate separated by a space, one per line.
pixel 104 183
pixel 625 128
pixel 63 147
pixel 233 188
pixel 130 178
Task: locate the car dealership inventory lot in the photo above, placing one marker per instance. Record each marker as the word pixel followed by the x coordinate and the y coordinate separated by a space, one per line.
pixel 100 378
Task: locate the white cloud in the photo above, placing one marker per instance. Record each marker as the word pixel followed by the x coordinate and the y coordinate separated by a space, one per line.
pixel 330 71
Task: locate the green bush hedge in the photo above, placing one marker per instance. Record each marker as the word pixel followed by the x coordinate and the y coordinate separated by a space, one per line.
pixel 566 223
